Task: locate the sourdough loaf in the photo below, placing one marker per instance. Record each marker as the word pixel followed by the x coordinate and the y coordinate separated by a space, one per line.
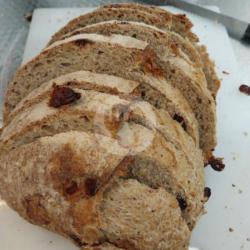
pixel 106 129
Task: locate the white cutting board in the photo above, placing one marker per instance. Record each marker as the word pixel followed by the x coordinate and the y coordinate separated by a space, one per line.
pixel 228 206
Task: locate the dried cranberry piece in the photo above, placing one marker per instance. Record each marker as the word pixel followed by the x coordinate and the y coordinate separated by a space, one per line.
pixel 72 188
pixel 182 202
pixel 90 186
pixel 62 96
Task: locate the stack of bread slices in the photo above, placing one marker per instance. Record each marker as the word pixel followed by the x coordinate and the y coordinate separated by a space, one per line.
pixel 106 132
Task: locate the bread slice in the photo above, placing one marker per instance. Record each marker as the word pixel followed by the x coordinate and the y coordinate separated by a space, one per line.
pixel 107 14
pixel 123 62
pixel 179 23
pixel 92 201
pixel 100 113
pixel 131 12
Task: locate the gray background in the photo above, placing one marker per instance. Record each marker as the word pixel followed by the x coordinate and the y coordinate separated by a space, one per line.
pixel 14 28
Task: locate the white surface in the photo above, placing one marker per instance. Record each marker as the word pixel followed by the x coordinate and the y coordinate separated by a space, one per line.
pixel 228 206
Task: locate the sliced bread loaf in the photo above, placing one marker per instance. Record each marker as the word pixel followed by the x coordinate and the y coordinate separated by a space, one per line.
pixel 103 129
pixel 93 201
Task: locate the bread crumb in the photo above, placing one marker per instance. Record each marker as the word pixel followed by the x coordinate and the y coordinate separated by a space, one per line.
pixel 233 185
pixel 230 229
pixel 244 89
pixel 225 72
pixel 216 163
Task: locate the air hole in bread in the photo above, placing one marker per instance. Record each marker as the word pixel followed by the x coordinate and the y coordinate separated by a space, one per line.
pixel 180 120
